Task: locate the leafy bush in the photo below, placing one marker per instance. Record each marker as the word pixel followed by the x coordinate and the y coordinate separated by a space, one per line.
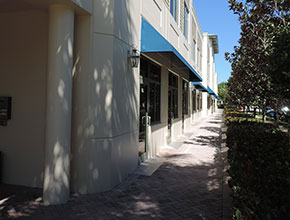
pixel 231 112
pixel 234 115
pixel 259 157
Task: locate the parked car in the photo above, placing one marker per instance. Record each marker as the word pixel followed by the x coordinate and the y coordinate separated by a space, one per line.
pixel 270 112
pixel 283 113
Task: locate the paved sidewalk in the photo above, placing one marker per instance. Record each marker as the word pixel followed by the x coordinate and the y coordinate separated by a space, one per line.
pixel 189 185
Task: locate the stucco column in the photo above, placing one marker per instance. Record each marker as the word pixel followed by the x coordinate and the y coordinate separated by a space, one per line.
pixel 204 104
pixel 58 105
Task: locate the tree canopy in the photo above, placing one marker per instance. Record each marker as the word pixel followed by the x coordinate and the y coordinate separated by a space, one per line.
pixel 279 64
pixel 260 63
pixel 223 91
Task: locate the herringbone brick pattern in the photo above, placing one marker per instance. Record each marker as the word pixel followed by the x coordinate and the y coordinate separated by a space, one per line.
pixel 189 185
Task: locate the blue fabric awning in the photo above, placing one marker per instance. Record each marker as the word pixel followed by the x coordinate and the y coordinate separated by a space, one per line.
pixel 157 47
pixel 199 86
pixel 210 91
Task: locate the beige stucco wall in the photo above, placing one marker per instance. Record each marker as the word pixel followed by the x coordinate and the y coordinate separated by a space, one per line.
pixel 105 131
pixel 103 163
pixel 23 59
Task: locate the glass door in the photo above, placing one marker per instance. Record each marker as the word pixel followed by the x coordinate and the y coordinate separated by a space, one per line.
pixel 170 109
pixel 142 124
pixel 184 101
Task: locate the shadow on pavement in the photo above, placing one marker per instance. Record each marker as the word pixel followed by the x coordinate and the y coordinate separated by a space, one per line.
pixel 184 188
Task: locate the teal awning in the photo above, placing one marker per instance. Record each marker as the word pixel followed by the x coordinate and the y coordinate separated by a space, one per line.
pixel 210 91
pixel 199 86
pixel 156 46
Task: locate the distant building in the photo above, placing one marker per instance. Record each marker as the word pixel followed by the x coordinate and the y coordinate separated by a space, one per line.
pixel 78 99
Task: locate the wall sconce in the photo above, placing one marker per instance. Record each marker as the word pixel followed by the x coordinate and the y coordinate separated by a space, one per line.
pixel 134 58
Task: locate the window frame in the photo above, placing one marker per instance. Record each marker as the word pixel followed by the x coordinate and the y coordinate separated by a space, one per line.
pixel 194 51
pixel 199 101
pixel 194 100
pixel 173 87
pixel 153 84
pixel 185 96
pixel 174 9
pixel 198 58
pixel 185 21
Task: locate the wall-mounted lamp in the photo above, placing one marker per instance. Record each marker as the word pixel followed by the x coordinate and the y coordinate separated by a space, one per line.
pixel 134 58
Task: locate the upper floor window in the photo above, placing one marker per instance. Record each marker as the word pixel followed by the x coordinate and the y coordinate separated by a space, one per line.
pixel 208 54
pixel 185 21
pixel 198 57
pixel 200 60
pixel 174 9
pixel 194 51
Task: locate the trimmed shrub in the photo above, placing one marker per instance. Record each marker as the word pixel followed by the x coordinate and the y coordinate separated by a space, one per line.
pixel 259 157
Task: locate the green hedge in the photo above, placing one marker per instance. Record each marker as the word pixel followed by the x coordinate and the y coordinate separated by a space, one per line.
pixel 259 157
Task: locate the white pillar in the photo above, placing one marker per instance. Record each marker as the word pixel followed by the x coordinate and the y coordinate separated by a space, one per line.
pixel 58 105
pixel 204 104
pixel 81 104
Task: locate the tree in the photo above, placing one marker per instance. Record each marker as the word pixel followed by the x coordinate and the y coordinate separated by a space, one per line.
pixel 223 91
pixel 261 64
pixel 279 64
pixel 261 23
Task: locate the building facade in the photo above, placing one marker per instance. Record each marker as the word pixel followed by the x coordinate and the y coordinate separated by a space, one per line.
pixel 75 114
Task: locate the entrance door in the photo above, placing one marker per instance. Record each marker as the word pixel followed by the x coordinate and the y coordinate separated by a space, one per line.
pixel 183 111
pixel 172 102
pixel 150 84
pixel 142 124
pixel 184 101
pixel 170 114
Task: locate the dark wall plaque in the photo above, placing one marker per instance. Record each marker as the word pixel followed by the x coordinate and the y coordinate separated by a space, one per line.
pixel 5 110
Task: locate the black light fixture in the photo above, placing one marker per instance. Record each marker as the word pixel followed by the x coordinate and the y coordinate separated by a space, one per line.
pixel 134 58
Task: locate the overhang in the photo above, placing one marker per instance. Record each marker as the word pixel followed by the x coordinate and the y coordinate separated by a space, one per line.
pixel 199 86
pixel 81 7
pixel 210 91
pixel 214 39
pixel 154 45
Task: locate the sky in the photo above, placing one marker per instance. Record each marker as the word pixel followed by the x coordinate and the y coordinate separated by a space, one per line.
pixel 215 18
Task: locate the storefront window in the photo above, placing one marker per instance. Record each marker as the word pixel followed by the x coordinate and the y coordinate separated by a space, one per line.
pixel 151 79
pixel 173 87
pixel 185 97
pixel 194 101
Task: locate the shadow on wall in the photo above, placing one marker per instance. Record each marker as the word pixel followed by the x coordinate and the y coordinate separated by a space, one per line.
pixel 59 102
pixel 105 98
pixel 180 189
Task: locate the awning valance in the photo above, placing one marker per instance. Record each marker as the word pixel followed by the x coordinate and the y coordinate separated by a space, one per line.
pixel 199 86
pixel 210 91
pixel 154 45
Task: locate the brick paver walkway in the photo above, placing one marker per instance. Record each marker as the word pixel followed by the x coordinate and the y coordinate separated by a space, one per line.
pixel 189 185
